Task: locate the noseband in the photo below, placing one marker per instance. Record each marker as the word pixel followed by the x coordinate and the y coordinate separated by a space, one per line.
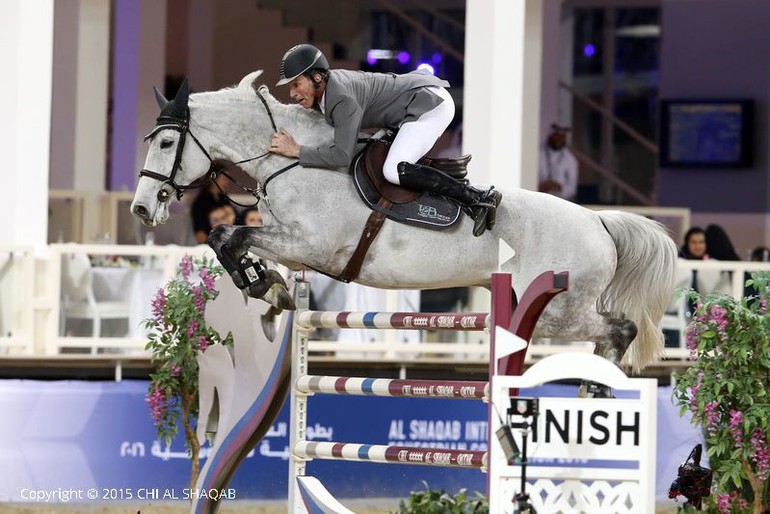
pixel 182 125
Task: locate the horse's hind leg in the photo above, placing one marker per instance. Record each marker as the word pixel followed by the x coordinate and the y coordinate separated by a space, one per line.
pixel 617 337
pixel 613 336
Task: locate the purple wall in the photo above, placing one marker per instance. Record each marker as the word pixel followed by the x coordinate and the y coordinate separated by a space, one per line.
pixel 718 49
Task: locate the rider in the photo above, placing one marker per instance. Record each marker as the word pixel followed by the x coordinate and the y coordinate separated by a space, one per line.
pixel 416 102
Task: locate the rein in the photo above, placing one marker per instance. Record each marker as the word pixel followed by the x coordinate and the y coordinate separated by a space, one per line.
pixel 182 125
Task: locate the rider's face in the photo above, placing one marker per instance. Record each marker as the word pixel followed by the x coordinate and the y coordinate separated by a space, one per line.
pixel 301 90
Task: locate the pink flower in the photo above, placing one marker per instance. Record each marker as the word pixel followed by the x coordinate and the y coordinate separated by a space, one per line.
pixel 158 304
pixel 175 370
pixel 712 416
pixel 718 316
pixel 186 266
pixel 203 343
pixel 691 340
pixel 763 306
pixel 191 328
pixel 207 278
pixel 761 455
pixel 158 403
pixel 724 504
pixel 199 300
pixel 736 427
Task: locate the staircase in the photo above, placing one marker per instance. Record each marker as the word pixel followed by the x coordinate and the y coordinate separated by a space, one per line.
pixel 248 38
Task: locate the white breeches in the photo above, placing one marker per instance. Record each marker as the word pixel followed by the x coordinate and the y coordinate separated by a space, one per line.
pixel 415 138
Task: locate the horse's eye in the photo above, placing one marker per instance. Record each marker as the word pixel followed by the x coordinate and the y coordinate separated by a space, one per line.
pixel 166 143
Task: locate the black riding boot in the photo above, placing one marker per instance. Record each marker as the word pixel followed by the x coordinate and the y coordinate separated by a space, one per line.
pixel 480 205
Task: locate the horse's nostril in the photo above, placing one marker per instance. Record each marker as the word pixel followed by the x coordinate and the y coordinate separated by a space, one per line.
pixel 141 211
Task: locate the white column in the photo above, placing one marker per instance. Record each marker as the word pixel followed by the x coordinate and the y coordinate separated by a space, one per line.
pixel 26 58
pixel 501 112
pixel 93 72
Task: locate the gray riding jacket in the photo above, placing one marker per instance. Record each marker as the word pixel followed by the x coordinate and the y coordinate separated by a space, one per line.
pixel 355 100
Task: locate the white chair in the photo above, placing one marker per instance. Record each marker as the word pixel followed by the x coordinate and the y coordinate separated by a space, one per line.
pixel 78 299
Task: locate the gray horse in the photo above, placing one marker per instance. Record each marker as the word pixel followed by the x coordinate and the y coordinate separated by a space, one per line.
pixel 621 265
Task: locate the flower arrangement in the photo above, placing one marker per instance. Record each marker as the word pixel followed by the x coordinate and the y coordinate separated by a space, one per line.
pixel 178 333
pixel 727 390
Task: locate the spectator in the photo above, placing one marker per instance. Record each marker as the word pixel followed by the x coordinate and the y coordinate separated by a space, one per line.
pixel 558 167
pixel 222 214
pixel 694 247
pixel 760 254
pixel 202 206
pixel 719 244
pixel 251 217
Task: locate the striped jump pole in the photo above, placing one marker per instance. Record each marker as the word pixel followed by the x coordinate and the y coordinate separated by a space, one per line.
pixel 394 320
pixel 391 454
pixel 355 386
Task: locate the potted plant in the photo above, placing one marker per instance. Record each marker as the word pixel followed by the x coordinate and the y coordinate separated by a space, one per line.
pixel 178 333
pixel 727 390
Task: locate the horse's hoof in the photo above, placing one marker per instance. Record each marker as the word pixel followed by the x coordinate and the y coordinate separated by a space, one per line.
pixel 283 299
pixel 273 290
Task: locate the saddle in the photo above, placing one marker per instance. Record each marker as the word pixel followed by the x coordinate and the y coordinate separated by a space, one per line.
pixel 387 200
pixel 423 209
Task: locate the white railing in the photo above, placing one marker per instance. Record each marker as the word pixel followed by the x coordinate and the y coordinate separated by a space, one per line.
pixel 723 277
pixel 31 308
pixel 17 272
pixel 162 259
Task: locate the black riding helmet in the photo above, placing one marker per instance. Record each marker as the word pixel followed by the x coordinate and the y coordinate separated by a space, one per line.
pixel 300 59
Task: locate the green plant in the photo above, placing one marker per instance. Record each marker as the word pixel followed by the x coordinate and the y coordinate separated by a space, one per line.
pixel 440 502
pixel 727 390
pixel 178 333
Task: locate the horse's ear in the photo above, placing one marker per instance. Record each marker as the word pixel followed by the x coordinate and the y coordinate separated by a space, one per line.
pixel 263 89
pixel 249 81
pixel 162 102
pixel 181 99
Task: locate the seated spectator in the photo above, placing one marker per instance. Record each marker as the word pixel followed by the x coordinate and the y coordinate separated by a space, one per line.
pixel 760 254
pixel 250 217
pixel 222 214
pixel 719 244
pixel 694 247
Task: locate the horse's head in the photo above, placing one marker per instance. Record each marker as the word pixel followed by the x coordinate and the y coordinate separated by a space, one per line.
pixel 171 164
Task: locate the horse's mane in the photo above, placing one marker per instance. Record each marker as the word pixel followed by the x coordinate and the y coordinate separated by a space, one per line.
pixel 244 92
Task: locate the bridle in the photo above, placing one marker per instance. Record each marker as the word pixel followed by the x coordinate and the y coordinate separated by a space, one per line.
pixel 182 125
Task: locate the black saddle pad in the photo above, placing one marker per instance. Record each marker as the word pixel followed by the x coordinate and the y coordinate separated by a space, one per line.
pixel 427 210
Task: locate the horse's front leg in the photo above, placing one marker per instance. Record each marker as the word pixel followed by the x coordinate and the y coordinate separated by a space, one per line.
pixel 249 274
pixel 218 240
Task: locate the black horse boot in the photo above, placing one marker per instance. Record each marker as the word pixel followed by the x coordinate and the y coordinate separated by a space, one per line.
pixel 480 205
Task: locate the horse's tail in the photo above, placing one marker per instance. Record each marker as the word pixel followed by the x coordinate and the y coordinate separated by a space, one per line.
pixel 644 280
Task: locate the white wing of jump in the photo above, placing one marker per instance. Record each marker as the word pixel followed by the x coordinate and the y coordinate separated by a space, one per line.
pixel 507 343
pixel 504 254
